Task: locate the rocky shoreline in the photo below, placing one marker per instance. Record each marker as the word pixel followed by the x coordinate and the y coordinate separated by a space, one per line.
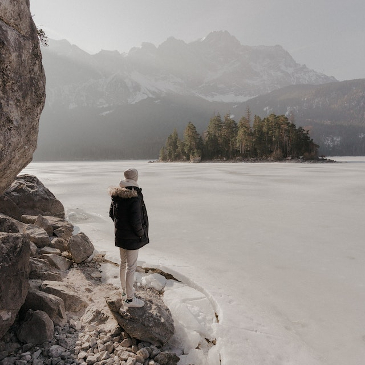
pixel 54 307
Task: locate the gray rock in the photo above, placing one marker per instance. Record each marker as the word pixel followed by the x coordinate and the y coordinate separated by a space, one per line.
pixel 72 301
pixel 59 243
pixel 56 351
pixel 36 328
pixel 28 219
pixel 9 224
pixel 33 198
pixel 92 359
pixel 33 249
pixel 143 353
pixel 131 361
pixel 59 223
pixel 80 247
pixel 152 323
pixel 167 358
pixel 49 250
pixel 37 235
pixel 45 224
pixel 8 361
pixel 49 303
pixel 14 275
pixel 41 269
pixel 22 89
pixel 63 232
pixel 98 315
pixel 9 208
pixel 59 262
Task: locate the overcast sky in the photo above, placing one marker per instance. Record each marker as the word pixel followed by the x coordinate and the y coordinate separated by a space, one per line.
pixel 326 35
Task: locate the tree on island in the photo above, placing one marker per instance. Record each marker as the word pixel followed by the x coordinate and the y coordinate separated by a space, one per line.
pixel 274 138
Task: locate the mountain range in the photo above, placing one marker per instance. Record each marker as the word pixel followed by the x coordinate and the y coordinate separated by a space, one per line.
pixel 118 106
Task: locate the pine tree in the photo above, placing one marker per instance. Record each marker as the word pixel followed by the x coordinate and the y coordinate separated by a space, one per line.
pixel 192 142
pixel 172 149
pixel 229 137
pixel 213 141
pixel 244 137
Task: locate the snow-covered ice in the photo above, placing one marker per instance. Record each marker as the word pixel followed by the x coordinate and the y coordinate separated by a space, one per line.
pixel 275 250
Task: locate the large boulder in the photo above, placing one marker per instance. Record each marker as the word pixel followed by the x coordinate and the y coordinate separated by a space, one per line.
pixel 33 198
pixel 73 302
pixel 49 303
pixel 59 262
pixel 36 328
pixel 14 273
pixel 22 88
pixel 152 323
pixel 60 227
pixel 41 269
pixel 37 235
pixel 44 223
pixel 80 247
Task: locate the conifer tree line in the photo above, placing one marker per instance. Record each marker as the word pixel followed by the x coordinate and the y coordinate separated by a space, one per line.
pixel 274 137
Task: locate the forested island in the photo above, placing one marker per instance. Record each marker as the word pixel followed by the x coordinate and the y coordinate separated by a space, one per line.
pixel 273 138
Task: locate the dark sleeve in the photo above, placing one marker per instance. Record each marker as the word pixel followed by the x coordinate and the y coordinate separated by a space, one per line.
pixel 136 217
pixel 111 211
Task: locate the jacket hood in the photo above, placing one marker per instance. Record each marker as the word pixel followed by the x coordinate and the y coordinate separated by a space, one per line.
pixel 123 192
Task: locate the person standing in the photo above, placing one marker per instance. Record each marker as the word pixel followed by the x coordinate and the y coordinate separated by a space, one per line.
pixel 129 214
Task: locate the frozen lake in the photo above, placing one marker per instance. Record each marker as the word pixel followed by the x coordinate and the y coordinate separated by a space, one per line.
pixel 278 248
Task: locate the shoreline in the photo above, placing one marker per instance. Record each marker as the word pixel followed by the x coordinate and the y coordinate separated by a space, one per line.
pixel 254 160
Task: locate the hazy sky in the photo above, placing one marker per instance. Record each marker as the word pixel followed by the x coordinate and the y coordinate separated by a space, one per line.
pixel 326 35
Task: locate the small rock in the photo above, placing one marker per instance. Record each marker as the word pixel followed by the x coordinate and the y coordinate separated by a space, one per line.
pixel 59 243
pixel 125 355
pixel 33 248
pixel 167 358
pixel 109 346
pixel 56 351
pixel 49 250
pixel 85 346
pixel 65 342
pixel 96 275
pixel 91 359
pixel 143 353
pixel 63 232
pixel 28 219
pixel 82 355
pixel 20 362
pixel 131 361
pixel 126 342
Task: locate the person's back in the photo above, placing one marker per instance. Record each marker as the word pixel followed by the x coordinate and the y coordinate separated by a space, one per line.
pixel 129 214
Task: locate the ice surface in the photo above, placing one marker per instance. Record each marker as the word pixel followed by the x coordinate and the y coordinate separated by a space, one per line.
pixel 278 249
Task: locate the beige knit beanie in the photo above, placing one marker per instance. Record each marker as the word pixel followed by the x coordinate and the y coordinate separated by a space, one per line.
pixel 131 177
pixel 131 174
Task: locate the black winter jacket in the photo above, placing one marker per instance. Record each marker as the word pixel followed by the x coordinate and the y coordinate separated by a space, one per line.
pixel 129 214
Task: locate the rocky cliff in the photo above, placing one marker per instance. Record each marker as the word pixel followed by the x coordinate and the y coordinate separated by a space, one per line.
pixel 22 88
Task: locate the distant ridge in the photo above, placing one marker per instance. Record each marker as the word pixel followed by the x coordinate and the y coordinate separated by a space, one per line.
pixel 119 106
pixel 215 68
